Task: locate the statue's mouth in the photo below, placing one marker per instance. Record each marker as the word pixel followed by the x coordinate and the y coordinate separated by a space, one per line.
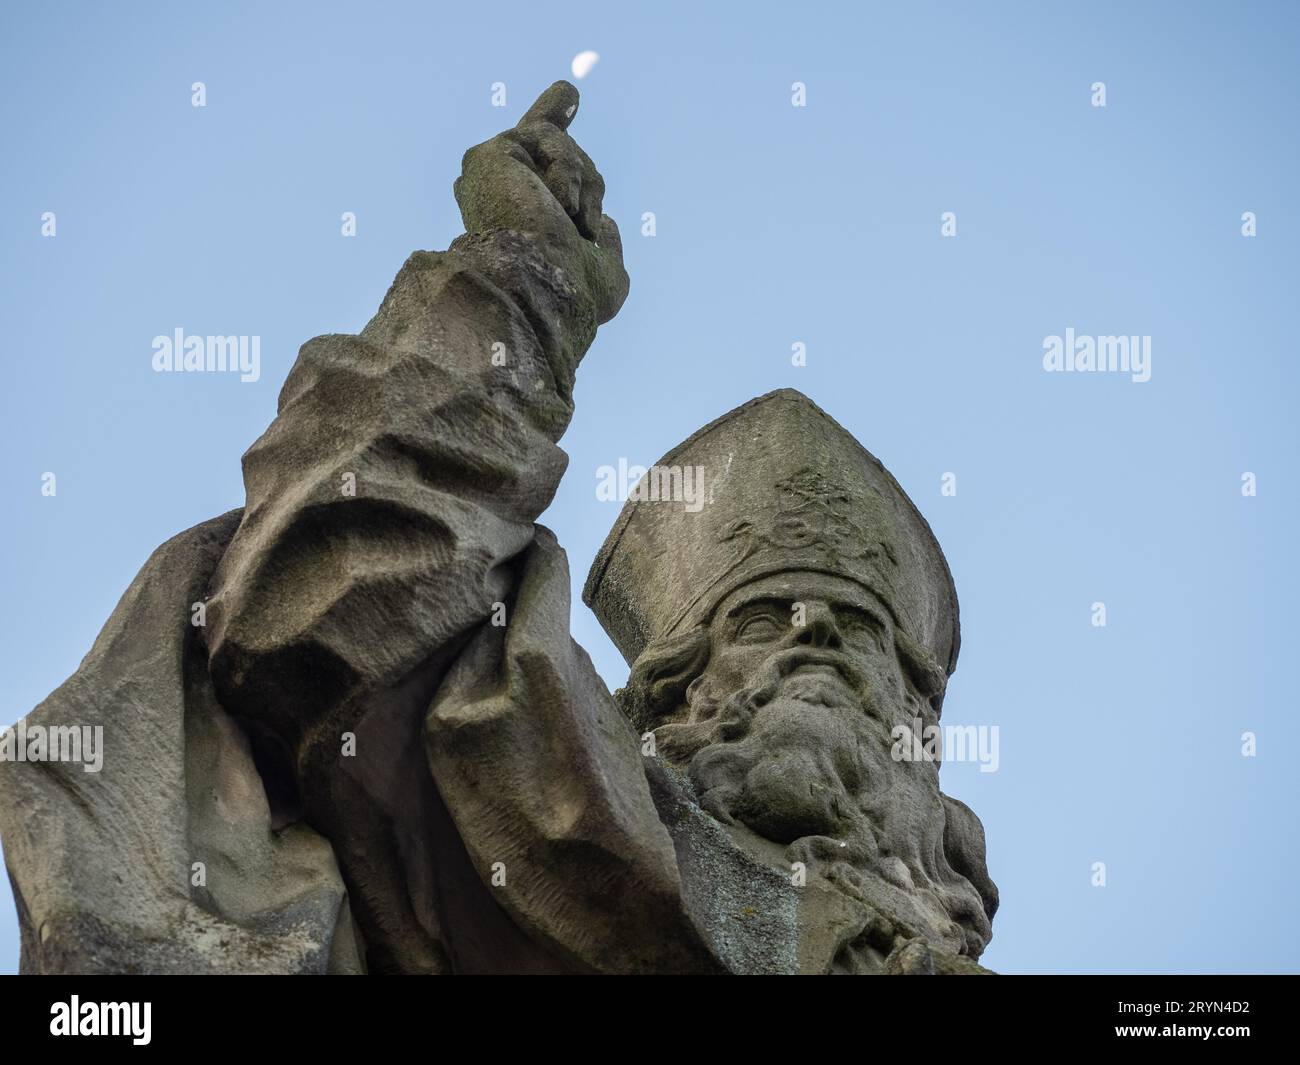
pixel 819 663
pixel 817 667
pixel 805 661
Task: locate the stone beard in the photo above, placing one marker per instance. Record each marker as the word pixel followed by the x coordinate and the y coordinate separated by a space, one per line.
pixel 782 708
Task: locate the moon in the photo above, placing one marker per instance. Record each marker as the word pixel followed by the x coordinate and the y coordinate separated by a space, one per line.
pixel 583 62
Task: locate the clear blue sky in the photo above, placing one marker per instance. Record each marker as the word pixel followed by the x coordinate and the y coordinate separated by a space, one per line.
pixel 775 225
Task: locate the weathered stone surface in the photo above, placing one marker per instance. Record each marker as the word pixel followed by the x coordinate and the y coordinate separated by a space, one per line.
pixel 102 863
pixel 385 748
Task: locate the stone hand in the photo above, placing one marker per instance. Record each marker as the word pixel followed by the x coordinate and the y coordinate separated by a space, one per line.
pixel 535 179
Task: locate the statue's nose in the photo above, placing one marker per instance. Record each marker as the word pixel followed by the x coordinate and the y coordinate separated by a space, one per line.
pixel 819 629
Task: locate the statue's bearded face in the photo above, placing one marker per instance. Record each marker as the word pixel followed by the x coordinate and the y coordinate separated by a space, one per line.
pixel 795 707
pixel 787 731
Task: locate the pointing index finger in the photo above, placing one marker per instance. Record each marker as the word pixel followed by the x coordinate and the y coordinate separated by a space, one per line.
pixel 557 105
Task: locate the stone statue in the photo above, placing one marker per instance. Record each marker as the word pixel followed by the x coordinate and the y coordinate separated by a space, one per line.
pixel 381 751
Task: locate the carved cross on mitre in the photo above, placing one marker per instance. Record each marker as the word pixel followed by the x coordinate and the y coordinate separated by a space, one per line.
pixel 815 513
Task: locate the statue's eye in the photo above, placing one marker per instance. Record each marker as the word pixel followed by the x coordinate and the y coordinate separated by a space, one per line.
pixel 758 627
pixel 861 628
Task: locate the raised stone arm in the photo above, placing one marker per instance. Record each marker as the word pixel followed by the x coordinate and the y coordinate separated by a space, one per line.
pixel 390 508
pixel 406 465
pixel 388 504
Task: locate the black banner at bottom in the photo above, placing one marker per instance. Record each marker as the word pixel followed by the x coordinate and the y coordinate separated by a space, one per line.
pixel 216 1014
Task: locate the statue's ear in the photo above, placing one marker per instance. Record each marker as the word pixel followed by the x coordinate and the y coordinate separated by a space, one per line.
pixel 659 678
pixel 963 846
